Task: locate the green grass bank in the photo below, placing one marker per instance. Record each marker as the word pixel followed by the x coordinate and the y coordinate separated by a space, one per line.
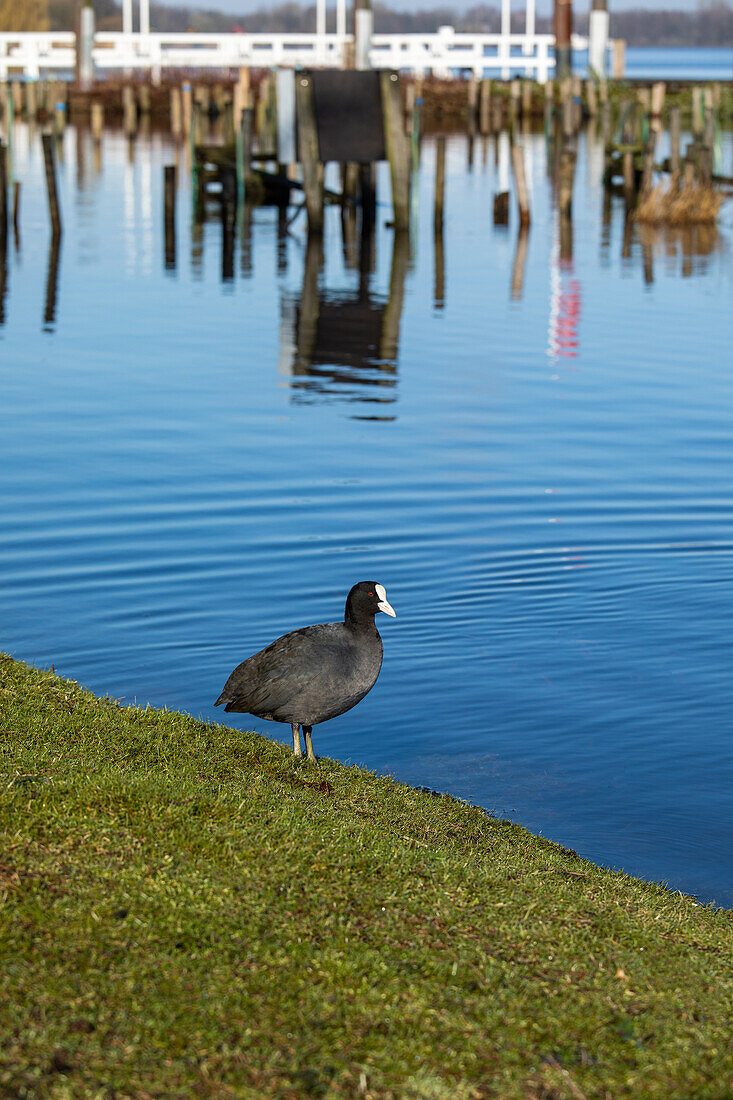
pixel 187 911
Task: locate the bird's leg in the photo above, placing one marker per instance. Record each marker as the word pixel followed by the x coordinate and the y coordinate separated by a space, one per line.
pixel 309 742
pixel 296 738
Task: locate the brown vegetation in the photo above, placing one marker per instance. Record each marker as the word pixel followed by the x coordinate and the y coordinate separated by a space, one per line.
pixel 695 205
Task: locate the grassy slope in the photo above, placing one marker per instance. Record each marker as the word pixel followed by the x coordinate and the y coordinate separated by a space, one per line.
pixel 187 911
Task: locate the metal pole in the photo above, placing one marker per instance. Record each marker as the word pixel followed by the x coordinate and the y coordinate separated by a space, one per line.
pixel 563 28
pixel 85 45
pixel 127 16
pixel 363 29
pixel 598 39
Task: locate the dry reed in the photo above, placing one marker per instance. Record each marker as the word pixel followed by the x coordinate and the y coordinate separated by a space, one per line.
pixel 693 205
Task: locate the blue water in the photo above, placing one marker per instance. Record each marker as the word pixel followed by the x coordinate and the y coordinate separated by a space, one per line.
pixel 537 464
pixel 671 63
pixel 681 63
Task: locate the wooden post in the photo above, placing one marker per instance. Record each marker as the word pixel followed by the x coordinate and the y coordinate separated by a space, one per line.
pixel 398 149
pixel 485 107
pixel 129 110
pixel 648 175
pixel 674 143
pixel 591 97
pixel 471 104
pixel 697 111
pixel 308 143
pixel 549 105
pixel 568 109
pixel 563 29
pixel 520 181
pixel 240 96
pixel 169 210
pixel 53 199
pixel 187 108
pixel 515 92
pixel 30 100
pixel 243 153
pixel 526 99
pixel 439 184
pixel 175 109
pixel 501 208
pixel 619 59
pixel 657 103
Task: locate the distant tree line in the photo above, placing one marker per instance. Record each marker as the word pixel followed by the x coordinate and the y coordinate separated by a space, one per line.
pixel 711 24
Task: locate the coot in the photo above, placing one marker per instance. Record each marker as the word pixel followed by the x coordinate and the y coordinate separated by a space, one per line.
pixel 315 673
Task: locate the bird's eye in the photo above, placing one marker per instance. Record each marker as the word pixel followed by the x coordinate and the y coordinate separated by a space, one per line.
pixel 371 593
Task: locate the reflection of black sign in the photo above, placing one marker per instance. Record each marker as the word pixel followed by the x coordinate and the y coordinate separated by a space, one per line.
pixel 344 358
pixel 344 345
pixel 348 109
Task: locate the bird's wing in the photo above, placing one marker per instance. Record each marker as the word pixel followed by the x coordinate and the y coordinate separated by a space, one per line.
pixel 268 680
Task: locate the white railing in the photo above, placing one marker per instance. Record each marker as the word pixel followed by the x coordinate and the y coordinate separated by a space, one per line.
pixel 444 53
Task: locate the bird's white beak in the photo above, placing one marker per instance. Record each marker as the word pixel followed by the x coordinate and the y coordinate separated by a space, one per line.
pixel 383 604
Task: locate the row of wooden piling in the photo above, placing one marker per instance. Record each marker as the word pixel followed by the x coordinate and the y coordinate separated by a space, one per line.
pixel 630 152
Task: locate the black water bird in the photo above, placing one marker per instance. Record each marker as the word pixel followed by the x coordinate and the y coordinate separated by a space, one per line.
pixel 315 673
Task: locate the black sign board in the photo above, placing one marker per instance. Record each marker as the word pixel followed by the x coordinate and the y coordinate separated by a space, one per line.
pixel 348 110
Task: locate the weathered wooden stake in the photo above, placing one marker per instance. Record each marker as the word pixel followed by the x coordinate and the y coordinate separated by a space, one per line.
pixel 129 110
pixel 520 181
pixel 501 208
pixel 439 184
pixel 243 153
pixel 697 111
pixel 49 158
pixel 647 178
pixel 308 143
pixel 485 106
pixel 526 99
pixel 175 109
pixel 591 97
pixel 471 104
pixel 674 143
pixel 187 108
pixel 30 100
pixel 659 90
pixel 398 148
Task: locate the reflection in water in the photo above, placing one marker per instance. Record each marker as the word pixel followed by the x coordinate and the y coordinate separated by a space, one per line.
pixel 52 280
pixel 520 260
pixel 565 301
pixel 344 344
pixel 3 276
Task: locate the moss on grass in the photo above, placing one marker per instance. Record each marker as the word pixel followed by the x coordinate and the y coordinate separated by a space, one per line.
pixel 187 911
